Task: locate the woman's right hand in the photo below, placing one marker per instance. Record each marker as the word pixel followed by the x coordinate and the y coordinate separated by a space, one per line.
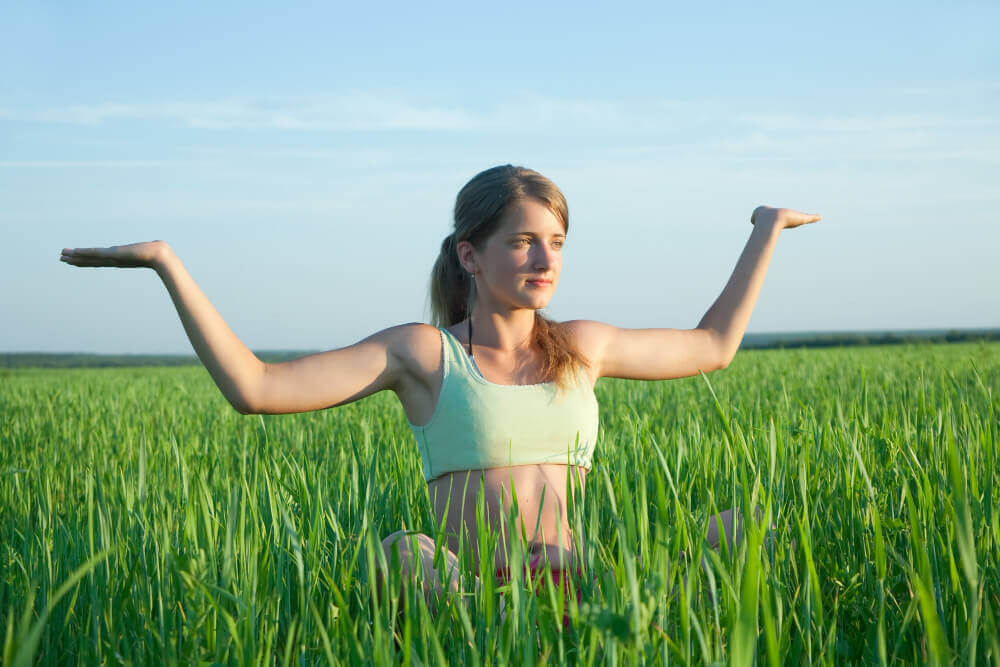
pixel 148 254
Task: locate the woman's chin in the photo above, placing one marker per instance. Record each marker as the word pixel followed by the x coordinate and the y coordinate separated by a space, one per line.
pixel 538 304
pixel 535 301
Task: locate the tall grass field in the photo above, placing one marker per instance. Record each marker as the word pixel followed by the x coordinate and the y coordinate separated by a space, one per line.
pixel 144 521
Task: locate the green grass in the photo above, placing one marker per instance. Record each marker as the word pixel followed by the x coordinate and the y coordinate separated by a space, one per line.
pixel 143 520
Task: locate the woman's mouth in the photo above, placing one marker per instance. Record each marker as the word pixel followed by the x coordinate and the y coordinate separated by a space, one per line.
pixel 540 283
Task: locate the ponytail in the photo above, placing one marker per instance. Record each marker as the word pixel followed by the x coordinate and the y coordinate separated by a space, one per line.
pixel 452 288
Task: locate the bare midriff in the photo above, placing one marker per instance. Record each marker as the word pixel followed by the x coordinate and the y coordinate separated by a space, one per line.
pixel 542 501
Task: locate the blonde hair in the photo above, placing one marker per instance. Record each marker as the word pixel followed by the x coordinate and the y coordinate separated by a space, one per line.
pixel 479 208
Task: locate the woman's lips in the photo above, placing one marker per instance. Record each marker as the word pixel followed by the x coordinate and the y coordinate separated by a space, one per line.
pixel 540 283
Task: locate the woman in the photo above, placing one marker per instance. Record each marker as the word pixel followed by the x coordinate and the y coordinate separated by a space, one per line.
pixel 498 397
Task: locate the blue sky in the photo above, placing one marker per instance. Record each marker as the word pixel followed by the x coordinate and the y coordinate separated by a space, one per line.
pixel 303 161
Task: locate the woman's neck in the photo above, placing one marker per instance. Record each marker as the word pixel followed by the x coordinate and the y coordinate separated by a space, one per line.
pixel 499 333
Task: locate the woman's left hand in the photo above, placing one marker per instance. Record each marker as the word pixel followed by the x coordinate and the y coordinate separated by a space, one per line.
pixel 781 218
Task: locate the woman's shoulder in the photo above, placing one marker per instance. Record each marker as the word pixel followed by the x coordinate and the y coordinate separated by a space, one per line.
pixel 418 346
pixel 589 336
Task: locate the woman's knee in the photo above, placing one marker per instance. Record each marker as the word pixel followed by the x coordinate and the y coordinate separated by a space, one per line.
pixel 732 527
pixel 402 546
pixel 416 554
pixel 417 550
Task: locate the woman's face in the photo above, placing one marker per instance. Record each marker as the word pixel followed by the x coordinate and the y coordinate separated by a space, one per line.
pixel 520 265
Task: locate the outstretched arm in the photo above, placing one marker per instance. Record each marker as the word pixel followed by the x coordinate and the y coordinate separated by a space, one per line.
pixel 664 354
pixel 728 317
pixel 235 369
pixel 312 382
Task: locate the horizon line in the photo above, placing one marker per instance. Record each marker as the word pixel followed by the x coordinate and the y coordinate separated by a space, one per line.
pixel 815 332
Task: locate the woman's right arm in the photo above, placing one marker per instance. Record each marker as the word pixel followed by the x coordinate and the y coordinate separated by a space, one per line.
pixel 250 385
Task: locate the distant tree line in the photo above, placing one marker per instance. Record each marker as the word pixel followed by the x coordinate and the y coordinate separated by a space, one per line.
pixel 79 360
pixel 74 360
pixel 889 338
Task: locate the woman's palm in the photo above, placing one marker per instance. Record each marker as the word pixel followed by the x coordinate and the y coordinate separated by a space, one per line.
pixel 126 256
pixel 783 218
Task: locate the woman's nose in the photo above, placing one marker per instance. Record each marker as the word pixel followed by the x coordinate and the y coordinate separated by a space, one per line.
pixel 544 257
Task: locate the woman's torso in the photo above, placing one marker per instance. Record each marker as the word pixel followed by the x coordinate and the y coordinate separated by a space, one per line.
pixel 541 489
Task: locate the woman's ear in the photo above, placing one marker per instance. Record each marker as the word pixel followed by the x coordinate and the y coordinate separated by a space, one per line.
pixel 467 256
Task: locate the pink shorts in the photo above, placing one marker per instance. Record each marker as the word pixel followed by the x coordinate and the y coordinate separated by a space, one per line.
pixel 535 567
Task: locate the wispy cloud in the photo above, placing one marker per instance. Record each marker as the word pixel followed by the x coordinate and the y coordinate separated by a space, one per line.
pixel 73 164
pixel 625 127
pixel 360 111
pixel 388 110
pixel 804 136
pixel 863 123
pixel 949 88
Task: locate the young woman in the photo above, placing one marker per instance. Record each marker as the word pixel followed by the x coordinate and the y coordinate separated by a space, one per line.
pixel 498 397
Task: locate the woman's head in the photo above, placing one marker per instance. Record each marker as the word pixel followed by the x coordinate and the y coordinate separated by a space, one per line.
pixel 500 201
pixel 493 213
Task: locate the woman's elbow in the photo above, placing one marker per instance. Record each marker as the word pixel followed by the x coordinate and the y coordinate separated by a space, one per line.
pixel 244 406
pixel 722 362
pixel 243 409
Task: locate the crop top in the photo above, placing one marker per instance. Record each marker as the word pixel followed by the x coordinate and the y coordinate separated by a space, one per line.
pixel 479 424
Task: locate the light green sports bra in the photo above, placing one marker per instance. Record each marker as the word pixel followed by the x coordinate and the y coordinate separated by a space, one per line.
pixel 480 424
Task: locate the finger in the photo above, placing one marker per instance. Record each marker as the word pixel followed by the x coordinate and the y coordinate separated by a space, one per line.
pixel 82 252
pixel 100 252
pixel 91 261
pixel 91 252
pixel 77 261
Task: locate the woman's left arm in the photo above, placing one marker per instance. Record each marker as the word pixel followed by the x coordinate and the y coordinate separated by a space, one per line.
pixel 728 317
pixel 664 354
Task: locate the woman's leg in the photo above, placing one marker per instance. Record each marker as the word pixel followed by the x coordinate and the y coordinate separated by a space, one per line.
pixel 733 533
pixel 416 550
pixel 732 528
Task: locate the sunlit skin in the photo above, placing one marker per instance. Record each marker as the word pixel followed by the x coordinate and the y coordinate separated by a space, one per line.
pixel 527 246
pixel 407 360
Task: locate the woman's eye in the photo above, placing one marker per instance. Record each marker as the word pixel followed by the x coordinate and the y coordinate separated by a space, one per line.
pixel 519 242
